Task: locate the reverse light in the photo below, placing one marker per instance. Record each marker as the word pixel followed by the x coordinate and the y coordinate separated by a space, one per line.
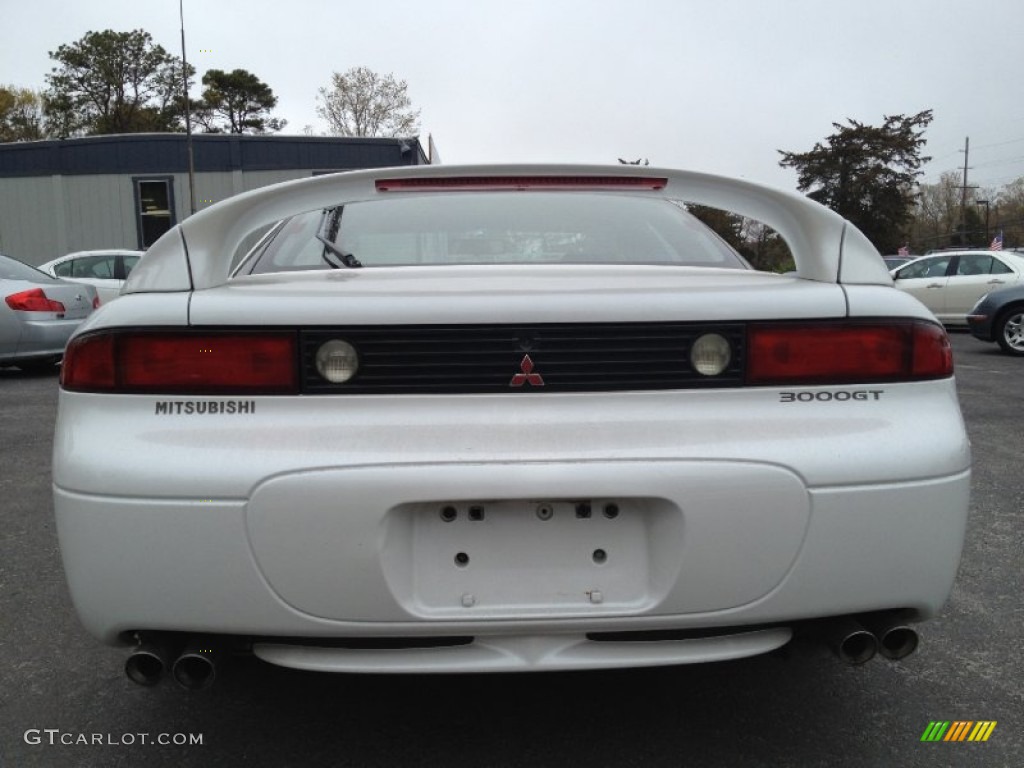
pixel 33 300
pixel 479 183
pixel 181 363
pixel 337 361
pixel 710 354
pixel 847 353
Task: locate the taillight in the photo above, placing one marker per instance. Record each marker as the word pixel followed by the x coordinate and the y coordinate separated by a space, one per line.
pixel 181 363
pixel 479 183
pixel 847 353
pixel 96 302
pixel 33 300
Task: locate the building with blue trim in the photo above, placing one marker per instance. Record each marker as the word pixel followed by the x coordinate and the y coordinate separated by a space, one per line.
pixel 125 191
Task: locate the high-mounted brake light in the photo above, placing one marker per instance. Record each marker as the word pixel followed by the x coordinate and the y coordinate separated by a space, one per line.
pixel 170 362
pixel 491 183
pixel 847 353
pixel 33 300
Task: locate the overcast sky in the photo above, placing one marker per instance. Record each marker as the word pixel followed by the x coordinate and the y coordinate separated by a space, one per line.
pixel 714 86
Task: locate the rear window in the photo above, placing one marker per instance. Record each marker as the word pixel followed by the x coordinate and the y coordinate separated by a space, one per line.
pixel 12 269
pixel 494 228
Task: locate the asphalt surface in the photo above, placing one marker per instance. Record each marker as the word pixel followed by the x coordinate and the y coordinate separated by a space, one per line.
pixel 58 684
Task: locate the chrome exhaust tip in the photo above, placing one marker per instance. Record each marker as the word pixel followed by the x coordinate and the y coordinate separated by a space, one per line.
pixel 851 642
pixel 896 638
pixel 148 661
pixel 898 643
pixel 196 667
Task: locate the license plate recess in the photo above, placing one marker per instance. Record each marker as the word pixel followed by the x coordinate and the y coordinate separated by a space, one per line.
pixel 526 556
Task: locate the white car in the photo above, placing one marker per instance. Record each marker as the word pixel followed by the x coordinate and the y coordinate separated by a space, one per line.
pixel 949 283
pixel 501 418
pixel 105 270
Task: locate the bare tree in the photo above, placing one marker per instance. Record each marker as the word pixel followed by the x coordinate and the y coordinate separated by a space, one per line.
pixel 21 114
pixel 361 102
pixel 937 213
pixel 1008 213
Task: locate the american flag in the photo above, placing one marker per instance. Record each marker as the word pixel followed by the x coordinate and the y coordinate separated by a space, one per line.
pixel 997 243
pixel 904 250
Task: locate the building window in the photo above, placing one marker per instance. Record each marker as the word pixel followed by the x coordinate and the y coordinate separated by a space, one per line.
pixel 154 205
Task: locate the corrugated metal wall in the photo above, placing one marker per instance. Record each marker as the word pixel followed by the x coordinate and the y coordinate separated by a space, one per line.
pixel 99 212
pixel 42 218
pixel 30 223
pixel 53 200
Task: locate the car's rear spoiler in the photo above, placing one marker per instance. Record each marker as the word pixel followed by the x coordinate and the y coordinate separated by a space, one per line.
pixel 197 253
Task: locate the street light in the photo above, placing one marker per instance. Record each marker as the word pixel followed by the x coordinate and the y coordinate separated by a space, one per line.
pixel 985 203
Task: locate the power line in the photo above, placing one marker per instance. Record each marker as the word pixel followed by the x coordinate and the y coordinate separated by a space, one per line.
pixel 945 155
pixel 984 181
pixel 950 153
pixel 1004 180
pixel 1001 143
pixel 936 175
pixel 1006 161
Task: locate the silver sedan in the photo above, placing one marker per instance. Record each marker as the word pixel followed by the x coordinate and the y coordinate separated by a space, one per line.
pixel 38 314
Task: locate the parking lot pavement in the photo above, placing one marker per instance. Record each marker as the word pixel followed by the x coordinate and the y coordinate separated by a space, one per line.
pixel 57 684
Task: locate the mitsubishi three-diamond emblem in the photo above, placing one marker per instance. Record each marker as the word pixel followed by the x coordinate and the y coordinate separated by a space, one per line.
pixel 526 376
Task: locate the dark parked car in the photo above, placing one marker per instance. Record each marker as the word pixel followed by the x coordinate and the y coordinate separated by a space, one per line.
pixel 999 316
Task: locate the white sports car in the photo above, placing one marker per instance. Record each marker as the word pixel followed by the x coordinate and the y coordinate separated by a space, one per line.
pixel 459 419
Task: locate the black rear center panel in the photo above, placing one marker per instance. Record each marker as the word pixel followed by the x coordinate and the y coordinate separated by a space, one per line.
pixel 563 357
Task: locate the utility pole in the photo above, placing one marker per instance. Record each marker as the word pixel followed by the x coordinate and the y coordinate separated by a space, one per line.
pixel 188 115
pixel 963 197
pixel 986 204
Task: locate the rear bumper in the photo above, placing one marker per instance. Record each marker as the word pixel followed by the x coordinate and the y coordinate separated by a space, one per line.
pixel 518 653
pixel 980 327
pixel 320 518
pixel 45 338
pixel 196 565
